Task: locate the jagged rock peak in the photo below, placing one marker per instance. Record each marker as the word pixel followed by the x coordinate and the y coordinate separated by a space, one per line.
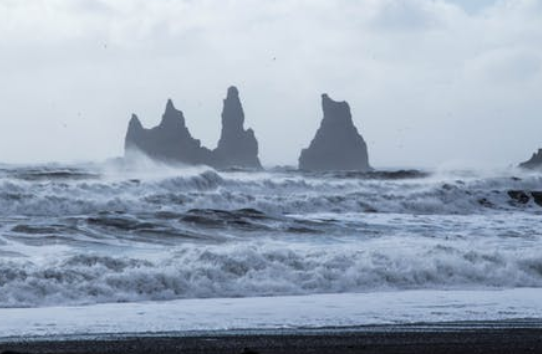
pixel 172 115
pixel 135 130
pixel 233 116
pixel 170 105
pixel 237 147
pixel 336 110
pixel 135 123
pixel 327 102
pixel 535 162
pixel 337 144
pixel 232 92
pixel 171 140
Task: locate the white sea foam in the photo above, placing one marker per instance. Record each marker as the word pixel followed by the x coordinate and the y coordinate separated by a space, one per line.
pixel 282 193
pixel 299 312
pixel 85 235
pixel 266 269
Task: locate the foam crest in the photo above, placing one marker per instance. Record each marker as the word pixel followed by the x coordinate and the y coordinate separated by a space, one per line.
pixel 254 270
pixel 180 190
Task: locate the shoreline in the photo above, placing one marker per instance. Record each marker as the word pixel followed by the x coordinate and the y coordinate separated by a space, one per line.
pixel 515 336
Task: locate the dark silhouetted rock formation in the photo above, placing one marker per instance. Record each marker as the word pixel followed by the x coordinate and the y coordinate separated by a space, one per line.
pixel 337 144
pixel 237 146
pixel 171 141
pixel 534 163
pixel 519 196
pixel 524 197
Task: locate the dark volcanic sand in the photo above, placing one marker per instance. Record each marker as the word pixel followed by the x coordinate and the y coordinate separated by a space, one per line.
pixel 495 339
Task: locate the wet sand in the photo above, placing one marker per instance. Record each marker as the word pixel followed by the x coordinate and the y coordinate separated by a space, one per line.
pixel 492 338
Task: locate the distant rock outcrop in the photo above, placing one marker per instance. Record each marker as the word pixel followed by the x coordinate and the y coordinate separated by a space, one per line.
pixel 171 141
pixel 337 144
pixel 534 163
pixel 237 147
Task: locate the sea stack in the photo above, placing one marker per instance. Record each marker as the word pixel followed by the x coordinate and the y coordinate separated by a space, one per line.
pixel 237 147
pixel 337 144
pixel 170 141
pixel 534 163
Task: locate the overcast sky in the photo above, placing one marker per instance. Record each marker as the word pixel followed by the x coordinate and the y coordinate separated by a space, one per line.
pixel 430 83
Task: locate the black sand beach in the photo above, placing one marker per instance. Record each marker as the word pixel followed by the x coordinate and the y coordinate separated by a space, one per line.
pixel 492 338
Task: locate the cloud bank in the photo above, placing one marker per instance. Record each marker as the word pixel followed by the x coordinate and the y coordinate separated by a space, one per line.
pixel 429 82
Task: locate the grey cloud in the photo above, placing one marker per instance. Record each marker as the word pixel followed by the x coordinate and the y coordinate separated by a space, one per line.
pixel 435 62
pixel 404 15
pixel 508 66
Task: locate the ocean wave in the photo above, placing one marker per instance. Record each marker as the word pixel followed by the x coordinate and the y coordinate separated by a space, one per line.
pixel 256 270
pixel 278 193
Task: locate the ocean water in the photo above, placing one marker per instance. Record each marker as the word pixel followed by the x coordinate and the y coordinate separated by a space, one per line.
pixel 195 249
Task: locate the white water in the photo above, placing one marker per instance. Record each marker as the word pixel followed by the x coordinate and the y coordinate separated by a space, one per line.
pixel 91 235
pixel 268 267
pixel 41 192
pixel 314 311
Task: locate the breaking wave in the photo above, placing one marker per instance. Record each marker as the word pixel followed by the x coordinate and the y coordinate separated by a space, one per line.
pixel 93 234
pixel 75 192
pixel 256 270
